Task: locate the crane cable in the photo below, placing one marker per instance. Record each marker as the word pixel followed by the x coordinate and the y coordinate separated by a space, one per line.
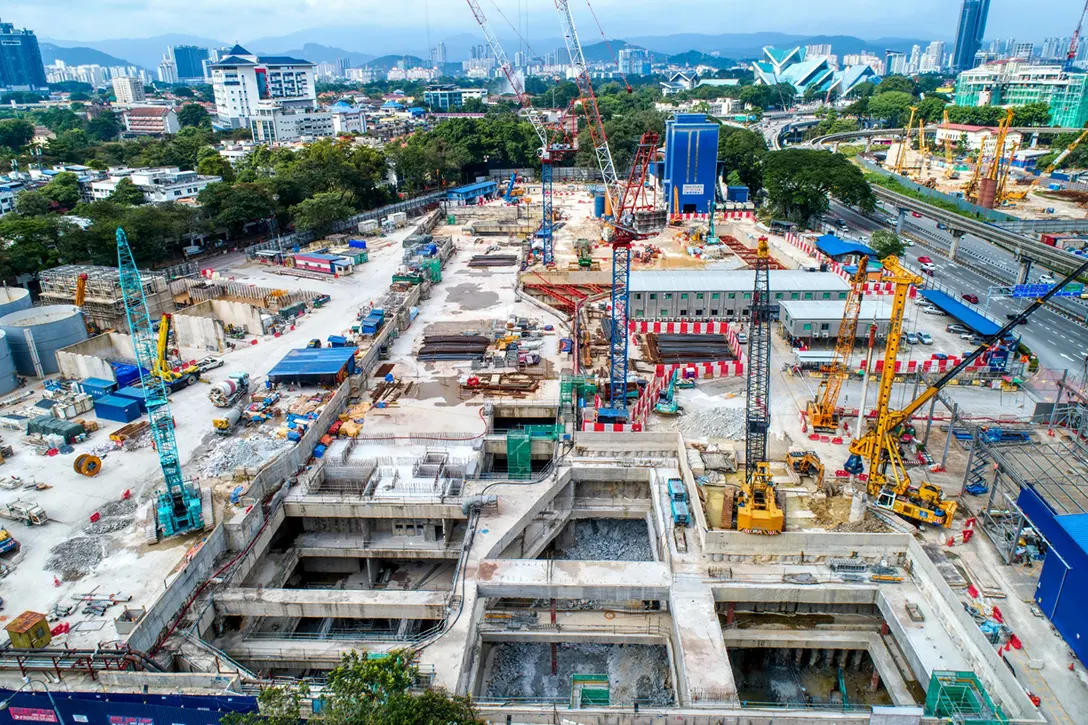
pixel 608 45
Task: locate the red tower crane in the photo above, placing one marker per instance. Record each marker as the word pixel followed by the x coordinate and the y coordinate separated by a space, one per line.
pixel 1071 56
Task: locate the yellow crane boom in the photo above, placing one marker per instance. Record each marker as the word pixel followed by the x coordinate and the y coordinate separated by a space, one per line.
pixel 902 157
pixel 823 412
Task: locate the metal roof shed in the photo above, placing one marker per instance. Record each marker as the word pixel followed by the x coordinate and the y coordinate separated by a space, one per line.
pixel 980 324
pixel 836 247
pixel 315 366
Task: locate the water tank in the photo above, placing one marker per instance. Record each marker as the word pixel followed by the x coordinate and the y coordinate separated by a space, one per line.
pixel 13 299
pixel 8 379
pixel 598 206
pixel 53 327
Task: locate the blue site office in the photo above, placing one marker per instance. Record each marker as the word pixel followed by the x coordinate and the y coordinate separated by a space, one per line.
pixel 690 170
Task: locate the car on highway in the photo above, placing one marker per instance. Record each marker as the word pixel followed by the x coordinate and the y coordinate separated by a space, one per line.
pixel 925 338
pixel 924 259
pixel 942 225
pixel 911 338
pixel 971 297
pixel 929 268
pixel 916 215
pixel 955 328
pixel 932 311
pixel 1047 279
pixel 939 356
pixel 1012 316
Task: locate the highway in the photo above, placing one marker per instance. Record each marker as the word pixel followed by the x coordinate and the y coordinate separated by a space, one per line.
pixel 1058 342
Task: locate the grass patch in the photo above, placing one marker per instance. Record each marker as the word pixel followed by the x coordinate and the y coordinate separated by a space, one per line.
pixel 892 185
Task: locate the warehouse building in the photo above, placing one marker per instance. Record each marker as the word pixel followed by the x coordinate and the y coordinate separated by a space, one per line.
pixel 724 294
pixel 817 321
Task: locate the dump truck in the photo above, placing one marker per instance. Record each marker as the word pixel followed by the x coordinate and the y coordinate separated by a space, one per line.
pixel 227 392
pixel 30 514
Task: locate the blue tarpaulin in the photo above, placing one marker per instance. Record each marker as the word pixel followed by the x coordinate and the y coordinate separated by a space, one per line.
pixel 835 247
pixel 982 325
pixel 314 365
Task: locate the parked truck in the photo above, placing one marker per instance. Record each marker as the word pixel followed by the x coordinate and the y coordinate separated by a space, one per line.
pixel 225 422
pixel 30 514
pixel 227 392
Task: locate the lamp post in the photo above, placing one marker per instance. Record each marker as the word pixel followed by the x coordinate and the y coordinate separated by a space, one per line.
pixel 26 683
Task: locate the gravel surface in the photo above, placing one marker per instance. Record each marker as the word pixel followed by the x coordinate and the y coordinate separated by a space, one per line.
pixel 226 454
pixel 719 422
pixel 75 558
pixel 609 540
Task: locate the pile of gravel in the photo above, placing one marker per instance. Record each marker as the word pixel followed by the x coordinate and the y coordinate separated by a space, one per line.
pixel 608 540
pixel 75 558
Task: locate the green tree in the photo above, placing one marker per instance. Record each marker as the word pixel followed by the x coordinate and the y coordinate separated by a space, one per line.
pixel 32 203
pixel 16 133
pixel 931 109
pixel 63 189
pixel 320 212
pixel 193 115
pixel 895 84
pixel 231 206
pixel 215 165
pixel 892 107
pixel 742 151
pixel 104 127
pixel 798 182
pixel 1032 114
pixel 862 90
pixel 127 194
pixel 887 244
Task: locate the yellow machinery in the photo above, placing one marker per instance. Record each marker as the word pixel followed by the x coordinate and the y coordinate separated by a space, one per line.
pixel 81 297
pixel 901 158
pixel 949 167
pixel 1020 195
pixel 161 365
pixel 1003 196
pixel 758 511
pixel 970 189
pixel 994 169
pixel 823 412
pixel 888 482
pixel 807 463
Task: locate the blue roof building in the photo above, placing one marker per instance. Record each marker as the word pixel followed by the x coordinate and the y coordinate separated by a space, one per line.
pixel 472 193
pixel 787 66
pixel 315 366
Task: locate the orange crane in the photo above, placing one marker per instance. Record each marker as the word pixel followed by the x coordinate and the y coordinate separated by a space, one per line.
pixel 824 412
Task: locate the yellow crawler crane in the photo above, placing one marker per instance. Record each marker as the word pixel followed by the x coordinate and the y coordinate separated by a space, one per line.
pixel 823 412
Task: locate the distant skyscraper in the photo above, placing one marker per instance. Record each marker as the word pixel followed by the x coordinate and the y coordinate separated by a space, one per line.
pixel 933 58
pixel 969 34
pixel 1024 50
pixel 168 72
pixel 817 51
pixel 438 55
pixel 21 66
pixel 915 59
pixel 189 61
pixel 634 61
pixel 895 62
pixel 129 90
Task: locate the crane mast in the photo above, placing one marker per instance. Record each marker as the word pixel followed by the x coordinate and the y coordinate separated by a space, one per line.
pixel 823 411
pixel 1074 44
pixel 179 509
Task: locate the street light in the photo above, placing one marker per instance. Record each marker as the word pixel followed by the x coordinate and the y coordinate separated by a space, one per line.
pixel 26 682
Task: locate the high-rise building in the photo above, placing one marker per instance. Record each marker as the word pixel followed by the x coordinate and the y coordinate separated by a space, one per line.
pixel 189 62
pixel 21 67
pixel 168 71
pixel 129 90
pixel 969 33
pixel 1017 84
pixel 634 61
pixel 817 51
pixel 1024 50
pixel 438 55
pixel 895 62
pixel 915 61
pixel 243 81
pixel 933 58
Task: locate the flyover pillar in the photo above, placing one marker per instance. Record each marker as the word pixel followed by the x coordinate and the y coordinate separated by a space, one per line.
pixel 954 247
pixel 900 221
pixel 1024 273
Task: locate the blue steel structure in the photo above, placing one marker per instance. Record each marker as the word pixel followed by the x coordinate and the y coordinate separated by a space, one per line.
pixel 179 506
pixel 690 179
pixel 547 223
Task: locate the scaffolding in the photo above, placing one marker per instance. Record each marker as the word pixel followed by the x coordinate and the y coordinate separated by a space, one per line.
pixel 104 304
pixel 519 454
pixel 961 698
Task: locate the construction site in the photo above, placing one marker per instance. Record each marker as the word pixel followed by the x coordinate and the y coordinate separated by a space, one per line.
pixel 571 446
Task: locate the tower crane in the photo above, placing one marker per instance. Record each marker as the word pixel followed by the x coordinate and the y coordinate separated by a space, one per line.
pixel 625 199
pixel 823 412
pixel 888 482
pixel 550 151
pixel 179 509
pixel 758 511
pixel 1074 44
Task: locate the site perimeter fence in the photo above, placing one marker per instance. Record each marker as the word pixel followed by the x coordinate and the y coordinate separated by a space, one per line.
pixel 287 241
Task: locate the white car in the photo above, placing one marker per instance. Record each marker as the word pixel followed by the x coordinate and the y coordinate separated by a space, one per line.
pixel 742 338
pixel 932 311
pixel 1047 279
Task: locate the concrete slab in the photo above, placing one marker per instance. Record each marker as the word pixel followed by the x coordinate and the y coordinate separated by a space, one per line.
pixel 703 660
pixel 359 604
pixel 610 580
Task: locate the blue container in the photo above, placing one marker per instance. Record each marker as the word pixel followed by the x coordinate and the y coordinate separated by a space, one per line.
pixel 319 451
pixel 97 387
pixel 134 393
pixel 126 374
pixel 598 206
pixel 337 341
pixel 357 244
pixel 1060 176
pixel 738 194
pixel 121 410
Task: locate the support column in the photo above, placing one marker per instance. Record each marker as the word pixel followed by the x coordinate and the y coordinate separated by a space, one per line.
pixel 900 221
pixel 730 613
pixel 1057 401
pixel 954 247
pixel 929 420
pixel 1024 273
pixel 948 438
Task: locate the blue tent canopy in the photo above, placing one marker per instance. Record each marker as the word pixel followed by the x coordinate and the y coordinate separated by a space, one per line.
pixel 314 365
pixel 835 247
pixel 982 325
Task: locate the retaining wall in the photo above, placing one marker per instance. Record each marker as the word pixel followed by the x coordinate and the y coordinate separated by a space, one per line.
pixel 90 358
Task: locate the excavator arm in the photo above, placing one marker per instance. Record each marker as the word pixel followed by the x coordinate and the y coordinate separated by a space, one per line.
pixel 162 369
pixel 81 290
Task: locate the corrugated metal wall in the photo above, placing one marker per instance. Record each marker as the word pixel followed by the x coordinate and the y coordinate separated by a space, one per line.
pixel 94 708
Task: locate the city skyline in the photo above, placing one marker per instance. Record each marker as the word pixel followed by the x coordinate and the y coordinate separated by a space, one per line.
pixel 66 21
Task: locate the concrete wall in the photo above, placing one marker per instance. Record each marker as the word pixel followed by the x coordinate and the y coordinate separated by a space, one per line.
pixel 90 358
pixel 797 548
pixel 201 327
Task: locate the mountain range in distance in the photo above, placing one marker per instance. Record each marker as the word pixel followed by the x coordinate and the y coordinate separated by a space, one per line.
pixel 329 44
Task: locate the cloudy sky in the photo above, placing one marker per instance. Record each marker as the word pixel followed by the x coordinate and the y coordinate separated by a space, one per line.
pixel 248 19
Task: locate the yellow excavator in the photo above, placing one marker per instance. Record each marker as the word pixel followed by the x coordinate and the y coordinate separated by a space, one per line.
pixel 888 483
pixel 823 412
pixel 174 380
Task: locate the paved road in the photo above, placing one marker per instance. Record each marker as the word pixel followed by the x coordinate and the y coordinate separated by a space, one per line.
pixel 1058 342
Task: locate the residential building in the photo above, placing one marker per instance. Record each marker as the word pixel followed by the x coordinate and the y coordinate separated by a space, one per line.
pixel 242 80
pixel 703 295
pixel 915 61
pixel 1056 48
pixel 933 58
pixel 445 97
pixel 817 51
pixel 95 75
pixel 159 185
pixel 189 62
pixel 168 71
pixel 129 90
pixel 976 137
pixel 875 62
pixel 483 65
pixel 634 61
pixel 785 66
pixel 274 123
pixel 347 120
pixel 895 62
pixel 438 55
pixel 150 120
pixel 1010 83
pixel 679 82
pixel 8 192
pixel 21 67
pixel 362 75
pixel 1024 51
pixel 972 26
pixel 235 151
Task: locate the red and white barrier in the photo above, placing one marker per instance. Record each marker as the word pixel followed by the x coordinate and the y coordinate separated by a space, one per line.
pixel 644 327
pixel 703 371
